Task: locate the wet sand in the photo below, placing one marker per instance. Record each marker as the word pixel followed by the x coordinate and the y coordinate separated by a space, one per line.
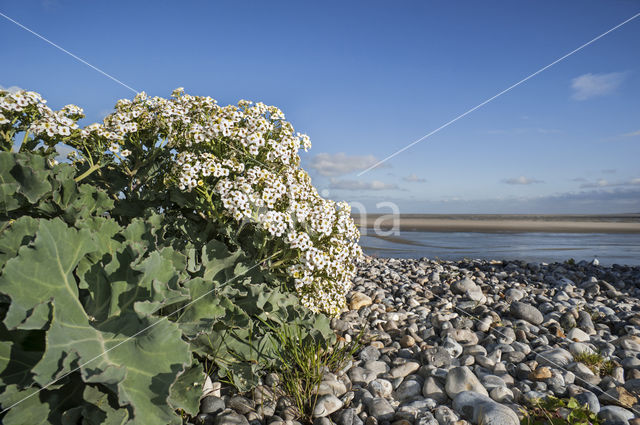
pixel 505 223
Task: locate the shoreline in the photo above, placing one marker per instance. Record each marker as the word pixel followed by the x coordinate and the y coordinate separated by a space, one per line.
pixel 500 223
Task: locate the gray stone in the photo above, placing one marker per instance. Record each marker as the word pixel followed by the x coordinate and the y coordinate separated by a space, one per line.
pixel 445 416
pixel 332 386
pixel 369 353
pixel 408 390
pixel 404 369
pixel 432 389
pixel 461 379
pixel 438 357
pixel 359 375
pixel 480 409
pixel 492 381
pixel 376 367
pixel 211 404
pixel 578 335
pixel 590 399
pixel 514 356
pixel 240 404
pixel 502 395
pixel 615 415
pixel 464 336
pixel 514 294
pixel 453 348
pixel 462 286
pixel 380 409
pixel 380 388
pixel 555 357
pixel 579 348
pixel 345 416
pixel 526 312
pixel 205 419
pixel 426 418
pixel 230 418
pixel 567 321
pixel 326 405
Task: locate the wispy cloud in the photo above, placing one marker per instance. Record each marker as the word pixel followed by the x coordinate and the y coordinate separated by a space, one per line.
pixel 602 183
pixel 632 134
pixel 579 179
pixel 414 178
pixel 527 130
pixel 596 184
pixel 589 85
pixel 360 185
pixel 521 180
pixel 339 164
pixel 11 89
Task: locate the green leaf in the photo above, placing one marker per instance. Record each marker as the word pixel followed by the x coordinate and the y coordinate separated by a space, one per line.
pixel 19 232
pixel 20 351
pixel 31 406
pixel 216 258
pixel 186 391
pixel 139 364
pixel 45 271
pixel 32 176
pixel 101 408
pixel 8 184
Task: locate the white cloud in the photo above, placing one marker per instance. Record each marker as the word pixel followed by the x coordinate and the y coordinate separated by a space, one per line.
pixel 339 164
pixel 360 185
pixel 598 183
pixel 413 178
pixel 632 134
pixel 521 180
pixel 11 89
pixel 590 85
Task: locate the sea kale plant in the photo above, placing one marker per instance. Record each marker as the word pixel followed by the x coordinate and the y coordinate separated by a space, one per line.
pixel 234 165
pixel 177 237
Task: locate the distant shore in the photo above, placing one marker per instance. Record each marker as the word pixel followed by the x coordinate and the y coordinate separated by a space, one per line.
pixel 505 223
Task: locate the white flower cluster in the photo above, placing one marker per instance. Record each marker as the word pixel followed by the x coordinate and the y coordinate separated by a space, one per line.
pixel 44 121
pixel 245 158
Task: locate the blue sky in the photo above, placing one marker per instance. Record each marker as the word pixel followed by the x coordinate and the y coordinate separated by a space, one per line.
pixel 364 79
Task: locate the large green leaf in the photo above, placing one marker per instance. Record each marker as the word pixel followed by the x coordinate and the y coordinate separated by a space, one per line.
pixel 140 358
pixel 45 271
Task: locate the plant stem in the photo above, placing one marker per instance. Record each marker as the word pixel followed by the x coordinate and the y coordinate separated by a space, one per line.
pixel 87 173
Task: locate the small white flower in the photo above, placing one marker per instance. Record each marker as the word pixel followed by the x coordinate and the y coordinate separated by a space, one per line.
pixel 125 153
pixel 114 147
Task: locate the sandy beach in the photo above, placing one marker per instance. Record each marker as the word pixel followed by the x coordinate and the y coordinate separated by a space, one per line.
pixel 493 223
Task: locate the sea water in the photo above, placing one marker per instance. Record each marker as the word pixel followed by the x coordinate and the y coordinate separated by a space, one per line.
pixel 539 247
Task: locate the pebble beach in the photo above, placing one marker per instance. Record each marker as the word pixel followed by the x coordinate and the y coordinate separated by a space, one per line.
pixel 469 342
